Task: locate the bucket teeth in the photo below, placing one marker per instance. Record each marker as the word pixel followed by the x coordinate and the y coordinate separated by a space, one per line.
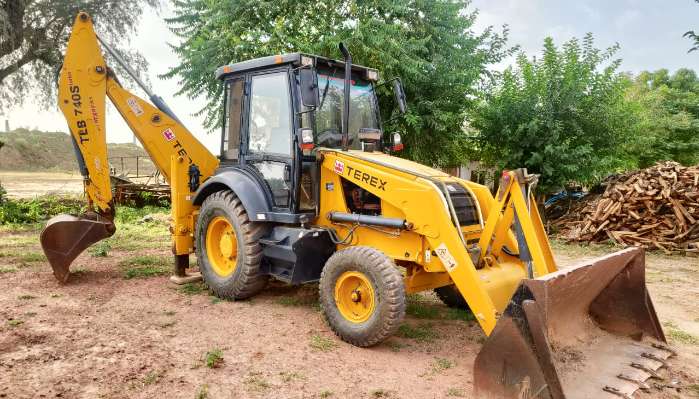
pixel 647 370
pixel 652 356
pixel 617 392
pixel 673 351
pixel 641 384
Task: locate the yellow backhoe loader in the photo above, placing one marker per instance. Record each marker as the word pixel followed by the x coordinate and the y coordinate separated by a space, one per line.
pixel 306 190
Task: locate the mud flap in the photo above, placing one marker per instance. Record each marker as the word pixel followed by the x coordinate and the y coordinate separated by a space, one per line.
pixel 589 331
pixel 67 236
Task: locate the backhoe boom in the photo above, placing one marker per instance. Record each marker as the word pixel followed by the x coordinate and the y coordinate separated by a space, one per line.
pixel 84 83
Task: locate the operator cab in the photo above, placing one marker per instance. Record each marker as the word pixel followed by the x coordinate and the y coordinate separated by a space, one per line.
pixel 278 108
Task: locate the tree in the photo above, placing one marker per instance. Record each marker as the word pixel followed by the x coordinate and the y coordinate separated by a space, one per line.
pixel 667 109
pixel 693 36
pixel 3 193
pixel 562 115
pixel 33 35
pixel 429 44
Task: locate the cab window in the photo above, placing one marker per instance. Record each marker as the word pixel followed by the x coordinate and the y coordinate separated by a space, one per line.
pixel 270 114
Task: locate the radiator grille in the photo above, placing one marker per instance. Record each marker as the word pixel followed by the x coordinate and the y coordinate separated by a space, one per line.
pixel 464 205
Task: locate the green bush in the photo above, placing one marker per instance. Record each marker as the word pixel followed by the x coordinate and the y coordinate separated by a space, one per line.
pixel 40 209
pixel 3 194
pixel 23 211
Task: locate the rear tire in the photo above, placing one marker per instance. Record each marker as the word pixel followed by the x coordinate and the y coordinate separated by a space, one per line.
pixel 451 297
pixel 234 271
pixel 362 295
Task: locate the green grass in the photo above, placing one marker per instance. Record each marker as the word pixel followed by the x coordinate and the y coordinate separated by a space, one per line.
pixel 14 322
pixel 24 258
pixel 143 266
pixel 7 270
pixel 456 392
pixel 151 378
pixel 167 324
pixel 26 297
pixel 326 393
pixel 395 346
pixel 459 314
pixel 100 249
pixel 421 307
pixel 441 364
pixel 288 376
pixel 134 237
pixel 420 333
pixel 418 307
pixel 256 383
pixel 684 337
pixel 379 393
pixel 203 392
pixel 289 301
pixel 322 344
pixel 193 288
pixel 213 358
pixel 20 241
pixel 677 335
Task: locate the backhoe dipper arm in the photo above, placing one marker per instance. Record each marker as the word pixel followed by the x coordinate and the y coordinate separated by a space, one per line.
pixel 84 83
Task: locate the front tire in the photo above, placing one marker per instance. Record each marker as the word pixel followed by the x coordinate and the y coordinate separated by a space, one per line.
pixel 362 295
pixel 227 247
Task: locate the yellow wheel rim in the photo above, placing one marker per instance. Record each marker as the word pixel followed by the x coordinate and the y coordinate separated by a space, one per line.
pixel 221 246
pixel 354 296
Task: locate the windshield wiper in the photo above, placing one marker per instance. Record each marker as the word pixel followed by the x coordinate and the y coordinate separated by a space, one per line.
pixel 325 90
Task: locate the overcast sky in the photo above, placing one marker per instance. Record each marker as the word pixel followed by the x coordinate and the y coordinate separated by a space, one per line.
pixel 649 32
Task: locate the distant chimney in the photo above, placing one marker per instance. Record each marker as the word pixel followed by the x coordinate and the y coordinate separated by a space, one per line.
pixel 7 126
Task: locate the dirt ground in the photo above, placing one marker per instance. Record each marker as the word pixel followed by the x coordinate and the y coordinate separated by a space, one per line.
pixel 106 336
pixel 31 184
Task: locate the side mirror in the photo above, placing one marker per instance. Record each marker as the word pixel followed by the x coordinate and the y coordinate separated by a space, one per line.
pixel 308 81
pixel 400 96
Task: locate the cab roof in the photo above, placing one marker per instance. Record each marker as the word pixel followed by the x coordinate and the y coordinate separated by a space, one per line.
pixel 275 60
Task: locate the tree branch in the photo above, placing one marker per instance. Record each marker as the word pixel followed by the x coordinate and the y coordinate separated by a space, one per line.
pixel 14 9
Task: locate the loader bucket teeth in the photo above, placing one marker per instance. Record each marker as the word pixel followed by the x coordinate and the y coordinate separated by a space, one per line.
pixel 589 331
pixel 67 236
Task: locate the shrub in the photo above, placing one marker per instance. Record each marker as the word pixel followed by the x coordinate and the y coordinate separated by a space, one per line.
pixel 37 209
pixel 3 194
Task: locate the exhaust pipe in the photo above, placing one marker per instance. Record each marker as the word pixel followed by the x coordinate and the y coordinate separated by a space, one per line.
pixel 67 236
pixel 348 87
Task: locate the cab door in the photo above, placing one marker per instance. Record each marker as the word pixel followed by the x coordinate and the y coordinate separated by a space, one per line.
pixel 268 142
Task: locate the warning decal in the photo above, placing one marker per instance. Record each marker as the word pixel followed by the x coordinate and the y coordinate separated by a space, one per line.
pixel 445 256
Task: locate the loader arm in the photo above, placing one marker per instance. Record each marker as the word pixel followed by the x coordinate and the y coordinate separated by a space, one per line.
pixel 84 83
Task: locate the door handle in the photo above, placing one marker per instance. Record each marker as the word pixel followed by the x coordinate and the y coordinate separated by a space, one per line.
pixel 287 173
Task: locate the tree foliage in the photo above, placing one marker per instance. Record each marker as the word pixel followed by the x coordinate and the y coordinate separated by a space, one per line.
pixel 33 35
pixel 694 37
pixel 429 44
pixel 667 117
pixel 562 115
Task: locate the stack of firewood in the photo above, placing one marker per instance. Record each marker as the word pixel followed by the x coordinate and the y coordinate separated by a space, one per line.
pixel 655 208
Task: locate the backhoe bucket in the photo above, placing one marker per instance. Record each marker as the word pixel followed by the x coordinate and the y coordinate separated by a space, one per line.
pixel 589 331
pixel 67 236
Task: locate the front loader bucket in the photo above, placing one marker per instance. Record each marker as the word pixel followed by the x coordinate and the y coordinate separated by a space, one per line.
pixel 67 236
pixel 589 331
